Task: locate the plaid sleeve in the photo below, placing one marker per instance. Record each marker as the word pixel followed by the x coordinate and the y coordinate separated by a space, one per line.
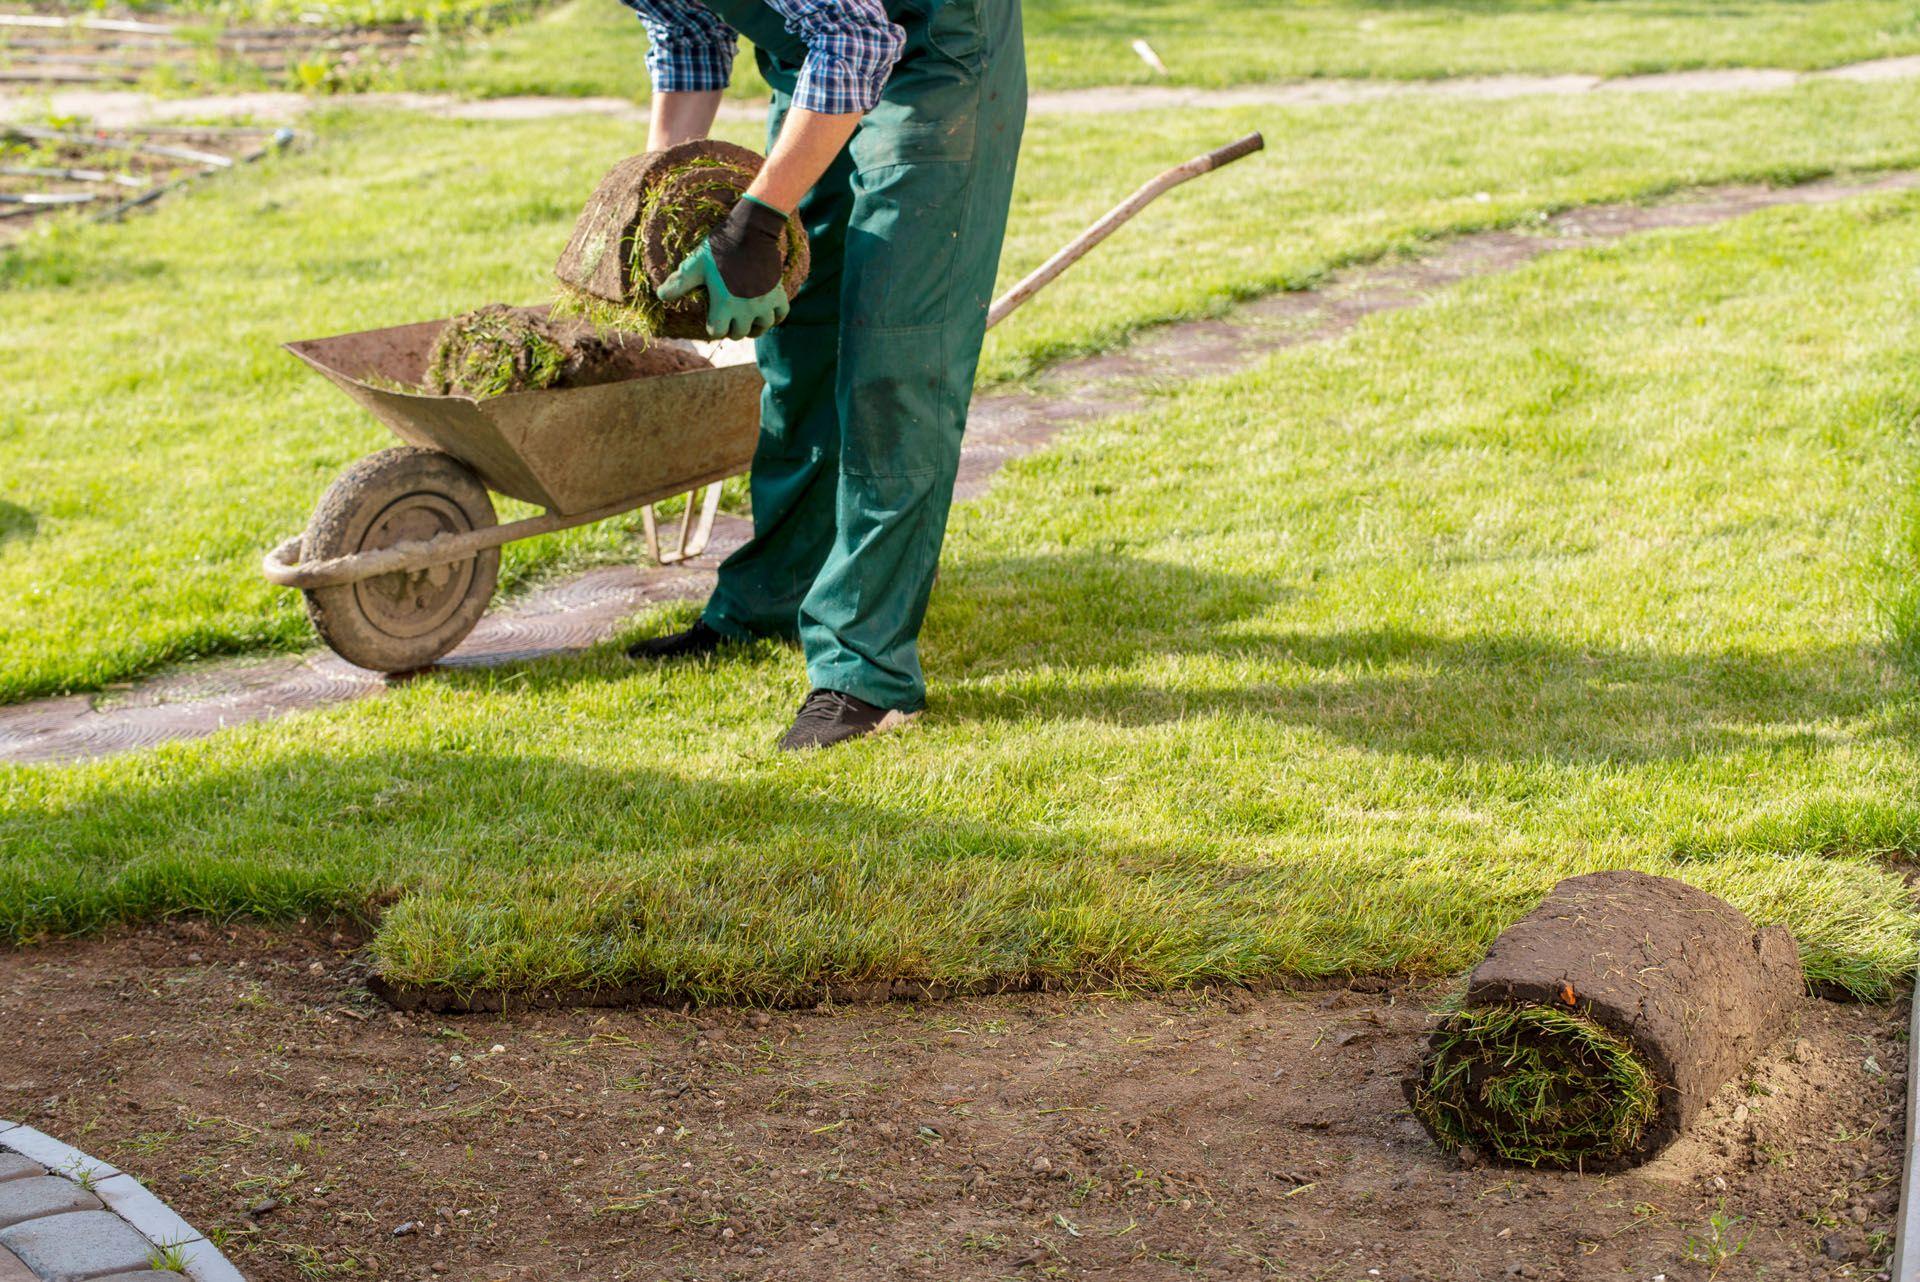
pixel 851 49
pixel 688 49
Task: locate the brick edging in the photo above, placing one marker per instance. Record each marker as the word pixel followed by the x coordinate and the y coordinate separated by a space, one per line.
pixel 56 1240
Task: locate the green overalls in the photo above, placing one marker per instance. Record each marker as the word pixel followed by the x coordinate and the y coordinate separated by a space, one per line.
pixel 869 378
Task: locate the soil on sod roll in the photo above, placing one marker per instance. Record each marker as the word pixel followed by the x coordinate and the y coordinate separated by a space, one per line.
pixel 245 1073
pixel 498 349
pixel 1599 1025
pixel 646 216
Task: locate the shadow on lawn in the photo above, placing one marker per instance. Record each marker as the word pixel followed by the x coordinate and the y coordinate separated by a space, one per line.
pixel 1508 697
pixel 16 522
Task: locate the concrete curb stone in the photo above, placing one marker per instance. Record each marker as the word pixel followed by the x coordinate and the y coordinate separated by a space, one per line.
pixel 15 1167
pixel 61 1159
pixel 131 1200
pixel 204 1263
pixel 78 1245
pixel 66 1216
pixel 39 1196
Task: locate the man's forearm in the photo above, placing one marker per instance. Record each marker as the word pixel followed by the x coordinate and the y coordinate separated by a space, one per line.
pixel 808 143
pixel 681 117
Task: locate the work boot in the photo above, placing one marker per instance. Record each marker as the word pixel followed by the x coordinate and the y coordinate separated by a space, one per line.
pixel 696 642
pixel 829 717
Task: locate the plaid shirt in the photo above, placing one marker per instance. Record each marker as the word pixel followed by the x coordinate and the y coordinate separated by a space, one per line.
pixel 851 49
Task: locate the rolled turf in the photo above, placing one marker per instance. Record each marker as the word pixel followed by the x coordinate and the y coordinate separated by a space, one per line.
pixel 1599 1025
pixel 493 350
pixel 644 218
pixel 497 349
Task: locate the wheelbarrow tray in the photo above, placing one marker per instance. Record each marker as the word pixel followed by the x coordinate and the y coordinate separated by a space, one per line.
pixel 615 444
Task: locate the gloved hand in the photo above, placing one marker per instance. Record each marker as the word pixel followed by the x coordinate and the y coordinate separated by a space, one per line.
pixel 739 266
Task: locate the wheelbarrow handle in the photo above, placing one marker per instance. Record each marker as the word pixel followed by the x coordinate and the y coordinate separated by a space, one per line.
pixel 1077 248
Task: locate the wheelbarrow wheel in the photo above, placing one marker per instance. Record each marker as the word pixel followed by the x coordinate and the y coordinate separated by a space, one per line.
pixel 405 620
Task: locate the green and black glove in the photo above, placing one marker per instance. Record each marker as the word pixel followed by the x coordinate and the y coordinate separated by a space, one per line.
pixel 739 265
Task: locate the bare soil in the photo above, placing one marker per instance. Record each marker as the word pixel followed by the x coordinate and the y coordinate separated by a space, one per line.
pixel 100 175
pixel 248 1076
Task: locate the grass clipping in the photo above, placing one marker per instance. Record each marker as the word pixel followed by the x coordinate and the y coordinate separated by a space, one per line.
pixel 646 216
pixel 1535 1086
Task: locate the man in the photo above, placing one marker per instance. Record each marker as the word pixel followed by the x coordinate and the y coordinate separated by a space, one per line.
pixel 894 129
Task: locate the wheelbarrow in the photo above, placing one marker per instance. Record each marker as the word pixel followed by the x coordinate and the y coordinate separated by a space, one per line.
pixel 402 553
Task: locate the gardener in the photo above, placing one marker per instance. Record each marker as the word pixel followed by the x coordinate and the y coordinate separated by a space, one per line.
pixel 894 130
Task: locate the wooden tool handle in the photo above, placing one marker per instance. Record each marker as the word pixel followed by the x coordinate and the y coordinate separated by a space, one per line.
pixel 1233 151
pixel 1077 248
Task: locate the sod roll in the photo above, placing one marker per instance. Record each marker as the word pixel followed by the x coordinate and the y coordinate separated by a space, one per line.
pixel 493 350
pixel 497 349
pixel 1600 1024
pixel 644 218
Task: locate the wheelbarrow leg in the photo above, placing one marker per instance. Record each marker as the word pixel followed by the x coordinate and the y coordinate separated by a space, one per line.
pixel 693 536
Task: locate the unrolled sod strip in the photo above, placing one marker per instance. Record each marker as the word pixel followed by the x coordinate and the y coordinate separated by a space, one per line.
pixel 1600 1024
pixel 647 215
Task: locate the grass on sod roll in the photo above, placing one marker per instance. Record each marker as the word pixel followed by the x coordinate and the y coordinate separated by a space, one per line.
pixel 1333 666
pixel 155 462
pixel 494 350
pixel 685 225
pixel 596 47
pixel 1535 1085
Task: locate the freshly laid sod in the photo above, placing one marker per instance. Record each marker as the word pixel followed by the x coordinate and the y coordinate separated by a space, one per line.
pixel 597 47
pixel 1333 666
pixel 151 464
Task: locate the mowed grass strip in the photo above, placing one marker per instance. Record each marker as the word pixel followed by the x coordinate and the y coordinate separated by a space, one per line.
pixel 597 47
pixel 155 440
pixel 1334 666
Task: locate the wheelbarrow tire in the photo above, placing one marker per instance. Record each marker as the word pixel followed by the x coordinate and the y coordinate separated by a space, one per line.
pixel 402 621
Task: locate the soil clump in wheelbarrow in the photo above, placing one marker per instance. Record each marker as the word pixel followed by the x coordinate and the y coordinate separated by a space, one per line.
pixel 1600 1025
pixel 498 349
pixel 646 216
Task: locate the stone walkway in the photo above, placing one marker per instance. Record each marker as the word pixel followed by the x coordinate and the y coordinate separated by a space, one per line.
pixel 67 1217
pixel 117 108
pixel 578 612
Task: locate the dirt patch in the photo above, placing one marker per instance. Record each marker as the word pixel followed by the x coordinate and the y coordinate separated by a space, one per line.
pixel 60 47
pixel 1601 1023
pixel 249 1078
pixel 94 174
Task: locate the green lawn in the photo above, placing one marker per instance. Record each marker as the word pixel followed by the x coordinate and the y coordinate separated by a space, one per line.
pixel 596 47
pixel 145 466
pixel 1332 666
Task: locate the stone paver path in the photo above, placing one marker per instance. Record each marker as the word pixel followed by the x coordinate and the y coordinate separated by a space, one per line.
pixel 117 108
pixel 67 1217
pixel 576 613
